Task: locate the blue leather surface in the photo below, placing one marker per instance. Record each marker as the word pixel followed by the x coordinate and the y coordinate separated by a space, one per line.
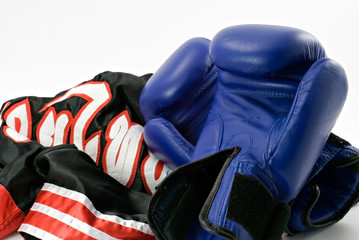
pixel 277 98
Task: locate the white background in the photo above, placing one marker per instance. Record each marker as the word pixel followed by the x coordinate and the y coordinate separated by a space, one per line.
pixel 49 46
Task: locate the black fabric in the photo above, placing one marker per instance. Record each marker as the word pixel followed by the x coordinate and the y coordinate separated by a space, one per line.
pixel 25 164
pixel 18 174
pixel 252 206
pixel 19 177
pixel 176 204
pixel 125 91
pixel 28 237
pixel 68 167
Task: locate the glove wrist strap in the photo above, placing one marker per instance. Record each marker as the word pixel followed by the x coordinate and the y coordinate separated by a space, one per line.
pixel 252 208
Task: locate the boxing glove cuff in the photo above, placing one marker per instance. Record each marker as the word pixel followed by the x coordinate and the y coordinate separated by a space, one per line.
pixel 250 207
pixel 332 189
pixel 175 206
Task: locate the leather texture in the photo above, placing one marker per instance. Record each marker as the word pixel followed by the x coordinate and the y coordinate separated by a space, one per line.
pixel 176 100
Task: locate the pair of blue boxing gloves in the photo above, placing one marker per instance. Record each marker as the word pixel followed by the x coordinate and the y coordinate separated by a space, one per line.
pixel 246 119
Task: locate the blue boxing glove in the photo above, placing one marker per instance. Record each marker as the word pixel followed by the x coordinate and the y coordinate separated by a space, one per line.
pixel 295 75
pixel 176 96
pixel 277 97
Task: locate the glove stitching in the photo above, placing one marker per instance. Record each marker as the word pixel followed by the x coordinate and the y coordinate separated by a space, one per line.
pixel 265 93
pixel 188 99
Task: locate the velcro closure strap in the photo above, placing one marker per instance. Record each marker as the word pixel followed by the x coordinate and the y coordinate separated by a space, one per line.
pixel 253 207
pixel 176 204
